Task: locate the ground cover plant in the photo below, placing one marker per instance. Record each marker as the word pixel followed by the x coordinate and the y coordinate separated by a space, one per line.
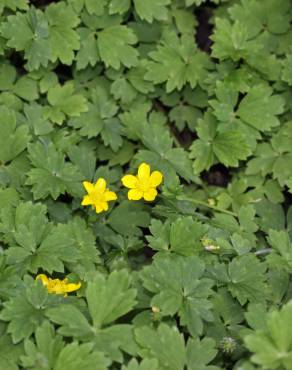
pixel 145 184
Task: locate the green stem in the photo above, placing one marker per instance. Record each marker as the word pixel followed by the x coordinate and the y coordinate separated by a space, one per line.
pixel 204 204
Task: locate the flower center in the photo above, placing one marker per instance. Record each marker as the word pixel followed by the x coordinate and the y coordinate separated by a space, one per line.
pixel 97 197
pixel 144 184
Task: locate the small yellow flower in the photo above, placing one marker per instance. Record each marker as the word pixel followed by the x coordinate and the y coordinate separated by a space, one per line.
pixel 98 195
pixel 58 286
pixel 144 184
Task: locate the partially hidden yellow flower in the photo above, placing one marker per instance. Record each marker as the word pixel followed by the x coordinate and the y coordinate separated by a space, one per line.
pixel 144 184
pixel 98 195
pixel 58 286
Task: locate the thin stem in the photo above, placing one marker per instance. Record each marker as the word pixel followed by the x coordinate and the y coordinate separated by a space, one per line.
pixel 204 204
pixel 263 251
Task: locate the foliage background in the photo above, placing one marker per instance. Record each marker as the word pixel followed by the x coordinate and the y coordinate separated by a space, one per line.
pixel 201 90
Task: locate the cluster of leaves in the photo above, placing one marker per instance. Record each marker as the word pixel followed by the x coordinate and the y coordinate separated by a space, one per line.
pixel 198 279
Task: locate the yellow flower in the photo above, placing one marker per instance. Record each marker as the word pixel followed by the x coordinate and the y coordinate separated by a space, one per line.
pixel 58 286
pixel 98 195
pixel 144 184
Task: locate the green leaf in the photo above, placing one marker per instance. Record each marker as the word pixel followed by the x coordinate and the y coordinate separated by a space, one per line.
pixel 185 236
pixel 108 299
pixel 25 311
pixel 34 115
pixel 247 279
pixel 177 62
pixel 230 147
pixel 76 356
pixel 13 138
pixel 64 103
pixel 226 147
pixel 35 243
pixel 179 287
pixel 121 52
pixel 26 88
pixel 116 338
pixel 127 217
pixel 272 345
pixel 63 39
pixel 72 321
pixel 163 157
pixel 281 256
pixel 259 108
pixel 256 15
pixel 88 53
pixel 13 5
pixel 7 76
pixel 200 353
pixel 165 344
pixel 45 350
pixel 29 32
pixel 10 353
pixel 232 41
pixel 287 70
pixel 84 158
pixel 99 114
pixel 147 364
pixel 159 240
pixel 51 175
pixel 271 216
pixel 151 10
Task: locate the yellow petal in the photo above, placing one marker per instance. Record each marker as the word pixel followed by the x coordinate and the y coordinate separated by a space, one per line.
pixel 86 201
pixel 144 171
pixel 156 178
pixel 71 287
pixel 150 195
pixel 130 181
pixel 110 195
pixel 98 208
pixel 89 187
pixel 100 185
pixel 135 194
pixel 104 206
pixel 44 279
